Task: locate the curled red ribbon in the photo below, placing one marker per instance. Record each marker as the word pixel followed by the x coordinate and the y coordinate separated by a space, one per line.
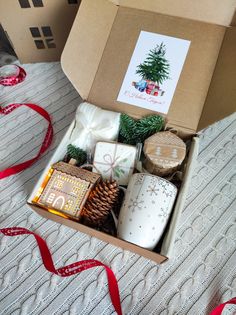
pixel 71 269
pixel 11 75
pixel 218 310
pixel 46 142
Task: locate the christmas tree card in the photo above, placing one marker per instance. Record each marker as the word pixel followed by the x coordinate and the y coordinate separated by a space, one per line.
pixel 154 71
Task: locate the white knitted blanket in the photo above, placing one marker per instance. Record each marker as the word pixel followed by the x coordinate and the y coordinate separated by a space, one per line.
pixel 202 272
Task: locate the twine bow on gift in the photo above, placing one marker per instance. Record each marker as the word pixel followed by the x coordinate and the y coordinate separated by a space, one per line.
pixel 113 166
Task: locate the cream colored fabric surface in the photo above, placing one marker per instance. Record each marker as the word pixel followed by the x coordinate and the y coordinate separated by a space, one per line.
pixel 203 270
pixel 93 124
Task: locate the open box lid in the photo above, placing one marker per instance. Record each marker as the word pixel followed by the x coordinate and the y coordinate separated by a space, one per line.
pixel 103 37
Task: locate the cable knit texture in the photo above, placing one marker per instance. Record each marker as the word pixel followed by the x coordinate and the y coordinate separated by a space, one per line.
pixel 202 271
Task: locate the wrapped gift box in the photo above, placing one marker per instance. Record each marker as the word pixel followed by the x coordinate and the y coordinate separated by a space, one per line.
pixel 114 161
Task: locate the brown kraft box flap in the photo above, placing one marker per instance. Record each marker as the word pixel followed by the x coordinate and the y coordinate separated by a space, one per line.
pixel 221 98
pixel 212 11
pixel 101 235
pixel 196 75
pixel 85 45
pixel 97 55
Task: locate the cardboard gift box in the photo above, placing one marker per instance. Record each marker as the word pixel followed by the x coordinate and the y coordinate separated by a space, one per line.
pixel 96 57
pixel 37 29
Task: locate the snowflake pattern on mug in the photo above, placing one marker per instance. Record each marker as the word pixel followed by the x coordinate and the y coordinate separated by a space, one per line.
pixel 153 189
pixel 165 189
pixel 146 209
pixel 153 180
pixel 139 179
pixel 135 204
pixel 163 215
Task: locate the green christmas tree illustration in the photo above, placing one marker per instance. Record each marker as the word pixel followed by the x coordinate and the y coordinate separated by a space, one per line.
pixel 156 67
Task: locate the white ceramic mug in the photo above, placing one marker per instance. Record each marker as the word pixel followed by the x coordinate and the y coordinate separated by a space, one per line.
pixel 146 209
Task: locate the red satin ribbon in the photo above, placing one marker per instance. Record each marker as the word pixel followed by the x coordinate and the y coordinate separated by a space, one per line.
pixel 218 310
pixel 71 269
pixel 10 80
pixel 46 142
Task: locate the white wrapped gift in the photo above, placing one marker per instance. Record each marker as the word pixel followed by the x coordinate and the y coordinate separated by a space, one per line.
pixel 115 161
pixel 92 125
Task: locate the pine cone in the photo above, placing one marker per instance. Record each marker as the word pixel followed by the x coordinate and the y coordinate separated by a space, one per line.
pixel 100 202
